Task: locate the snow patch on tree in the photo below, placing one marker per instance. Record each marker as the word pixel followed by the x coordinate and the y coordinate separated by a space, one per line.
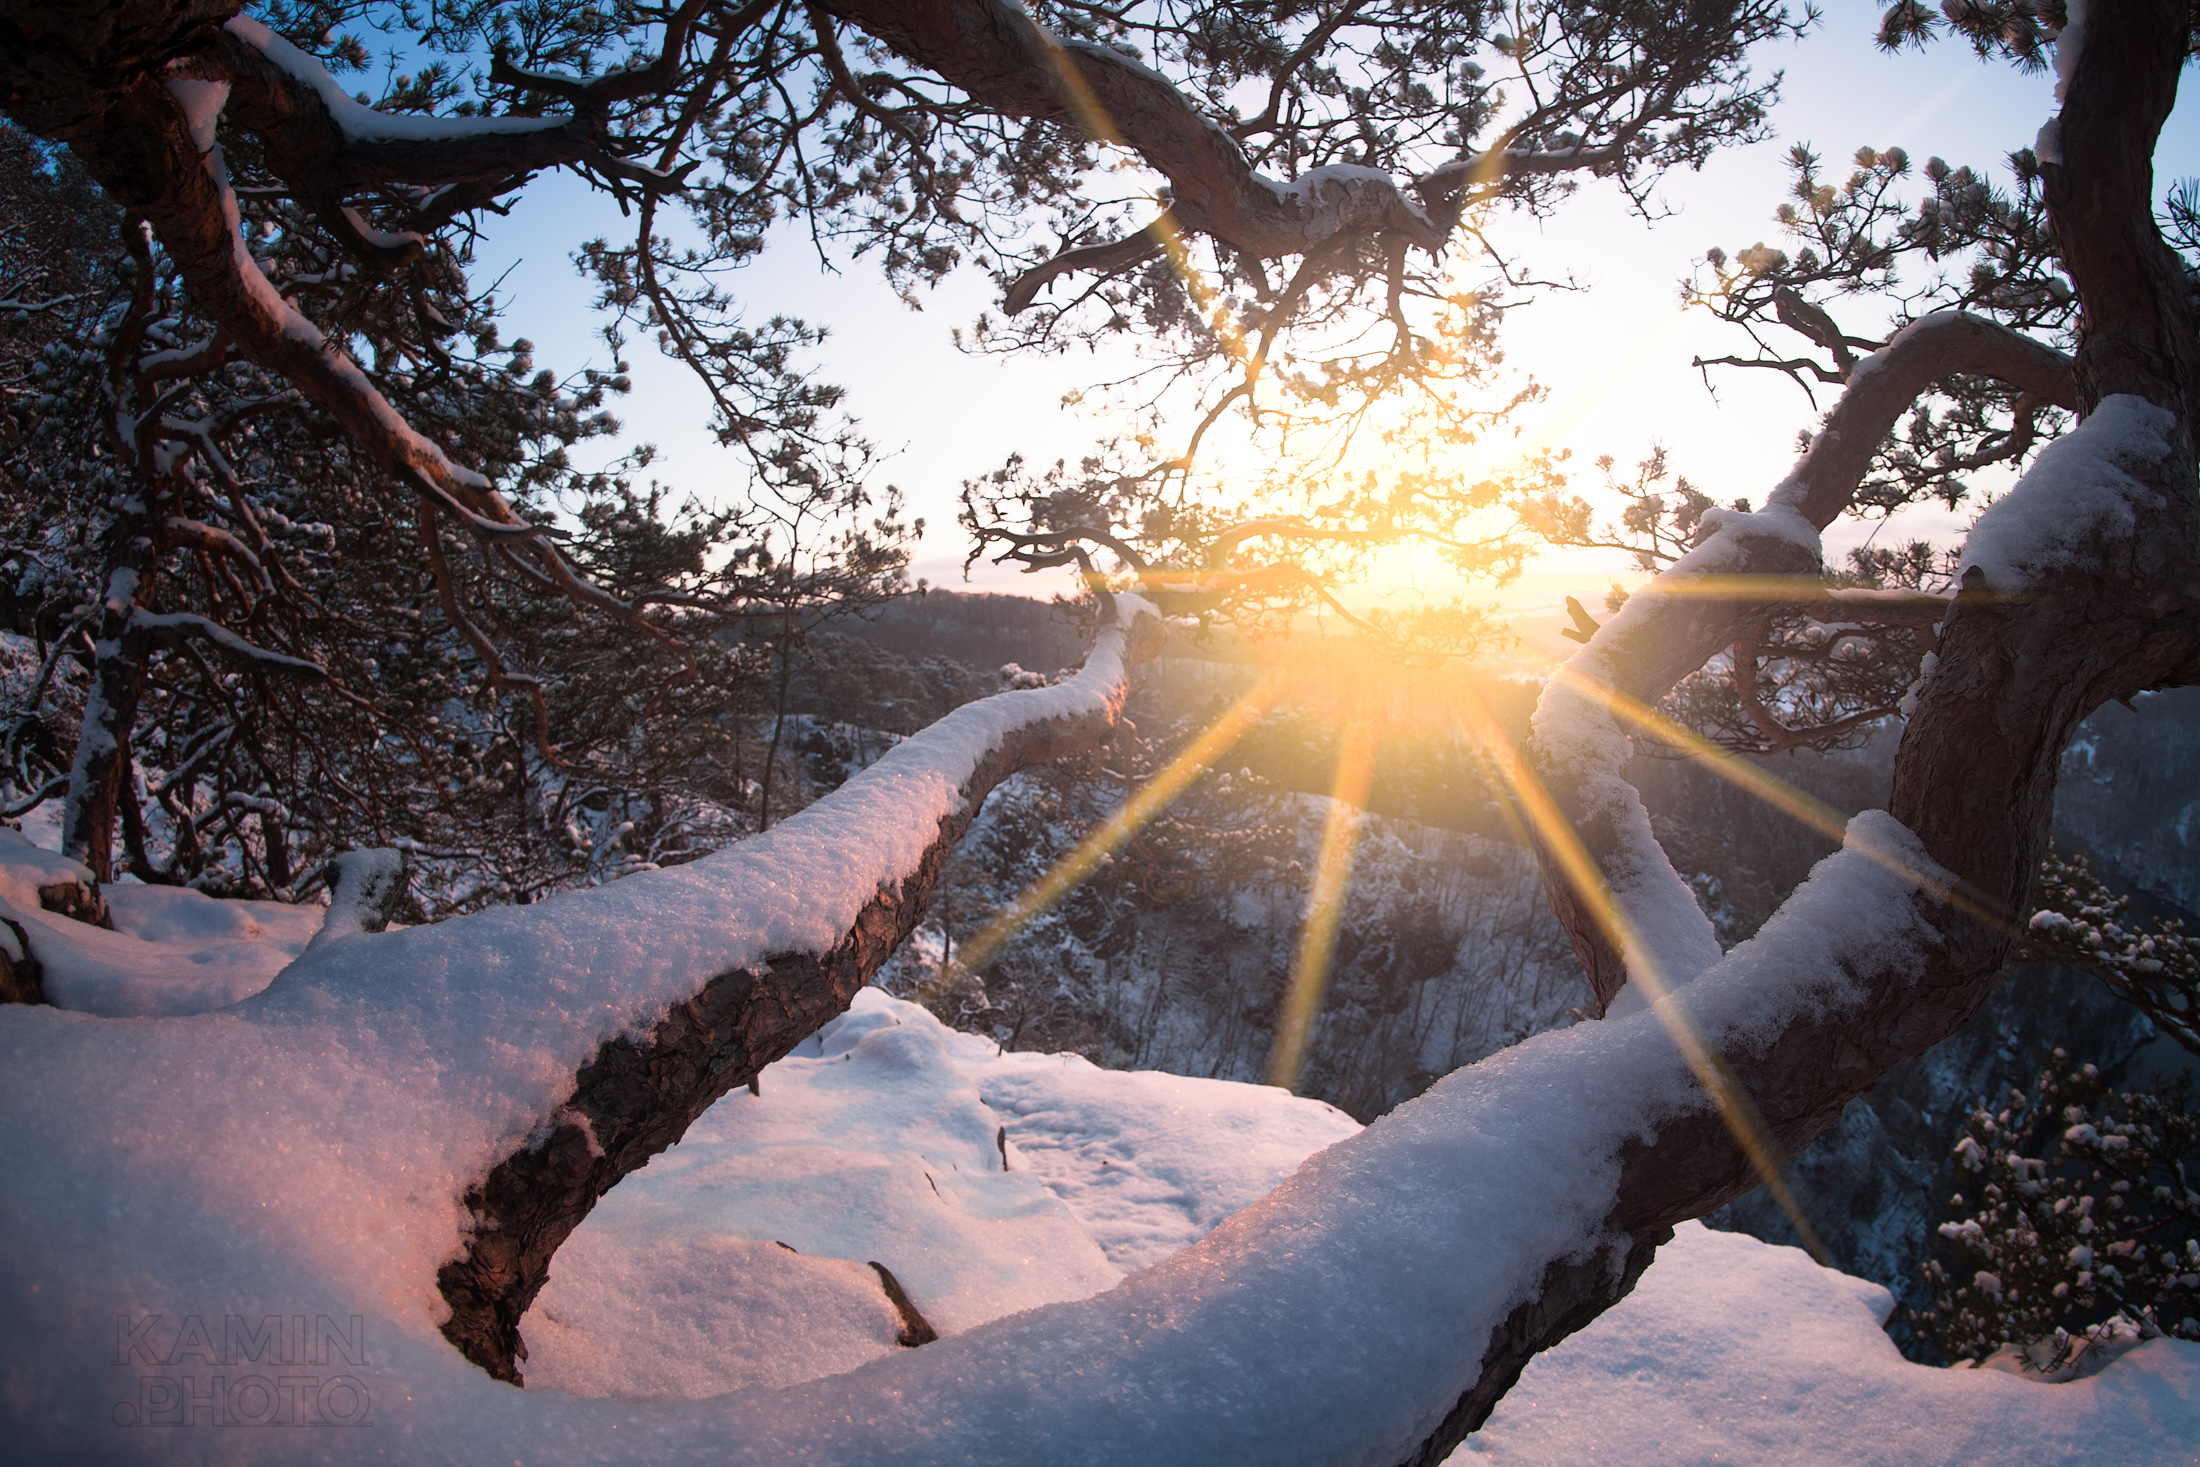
pixel 2078 500
pixel 363 124
pixel 1580 743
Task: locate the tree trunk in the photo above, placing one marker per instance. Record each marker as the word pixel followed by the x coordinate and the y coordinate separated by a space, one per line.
pixel 1664 634
pixel 784 651
pixel 121 650
pixel 1975 773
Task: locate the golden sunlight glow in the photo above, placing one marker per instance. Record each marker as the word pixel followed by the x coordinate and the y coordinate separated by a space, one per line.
pixel 1736 1108
pixel 1564 414
pixel 1773 791
pixel 1367 706
pixel 1700 586
pixel 1370 702
pixel 1140 809
pixel 1324 904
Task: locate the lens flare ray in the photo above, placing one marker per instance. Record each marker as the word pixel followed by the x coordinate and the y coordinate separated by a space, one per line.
pixel 1771 790
pixel 1324 905
pixel 1078 96
pixel 1137 812
pixel 1735 1107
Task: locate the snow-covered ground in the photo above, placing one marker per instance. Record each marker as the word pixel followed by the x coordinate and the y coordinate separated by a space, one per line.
pixel 172 950
pixel 179 1272
pixel 1732 1350
pixel 985 1182
pixel 1729 1350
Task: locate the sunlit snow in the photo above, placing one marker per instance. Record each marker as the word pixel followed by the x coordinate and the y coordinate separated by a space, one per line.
pixel 234 1219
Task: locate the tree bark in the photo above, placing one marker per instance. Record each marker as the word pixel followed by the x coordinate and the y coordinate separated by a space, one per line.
pixel 634 1099
pixel 101 90
pixel 119 665
pixel 1667 633
pixel 1975 772
pixel 2136 328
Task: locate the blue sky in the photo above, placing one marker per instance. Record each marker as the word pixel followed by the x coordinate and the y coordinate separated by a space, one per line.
pixel 1616 355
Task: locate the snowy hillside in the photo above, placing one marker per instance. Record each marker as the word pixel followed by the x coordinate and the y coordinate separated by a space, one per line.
pixel 1446 951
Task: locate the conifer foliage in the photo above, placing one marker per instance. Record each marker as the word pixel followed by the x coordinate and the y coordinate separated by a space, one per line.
pixel 311 660
pixel 2080 1222
pixel 2150 964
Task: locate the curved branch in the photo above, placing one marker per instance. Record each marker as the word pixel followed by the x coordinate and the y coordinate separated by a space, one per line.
pixel 1668 630
pixel 1103 259
pixel 155 149
pixel 214 540
pixel 992 50
pixel 851 90
pixel 172 628
pixel 319 137
pixel 1883 385
pixel 624 85
pixel 1777 737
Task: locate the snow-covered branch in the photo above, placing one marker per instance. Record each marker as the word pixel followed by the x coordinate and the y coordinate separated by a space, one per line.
pixel 161 156
pixel 994 51
pixel 750 950
pixel 1700 605
pixel 325 143
pixel 172 627
pixel 1369 1311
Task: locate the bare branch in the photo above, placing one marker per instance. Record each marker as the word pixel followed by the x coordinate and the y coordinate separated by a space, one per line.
pixel 1102 259
pixel 624 85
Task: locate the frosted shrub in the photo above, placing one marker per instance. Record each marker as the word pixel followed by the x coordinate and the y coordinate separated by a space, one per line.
pixel 2151 965
pixel 2082 1225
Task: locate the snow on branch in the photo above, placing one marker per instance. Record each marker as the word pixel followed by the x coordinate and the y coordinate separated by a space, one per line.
pixel 493 1075
pixel 1701 605
pixel 2080 500
pixel 673 987
pixel 325 145
pixel 1369 1311
pixel 1881 387
pixel 1579 747
pixel 281 96
pixel 363 888
pixel 361 124
pixel 20 308
pixel 168 628
pixel 997 53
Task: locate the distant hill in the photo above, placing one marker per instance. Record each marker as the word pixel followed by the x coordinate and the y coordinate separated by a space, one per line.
pixel 976 628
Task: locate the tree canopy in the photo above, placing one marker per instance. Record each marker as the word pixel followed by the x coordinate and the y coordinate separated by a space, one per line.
pixel 1306 176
